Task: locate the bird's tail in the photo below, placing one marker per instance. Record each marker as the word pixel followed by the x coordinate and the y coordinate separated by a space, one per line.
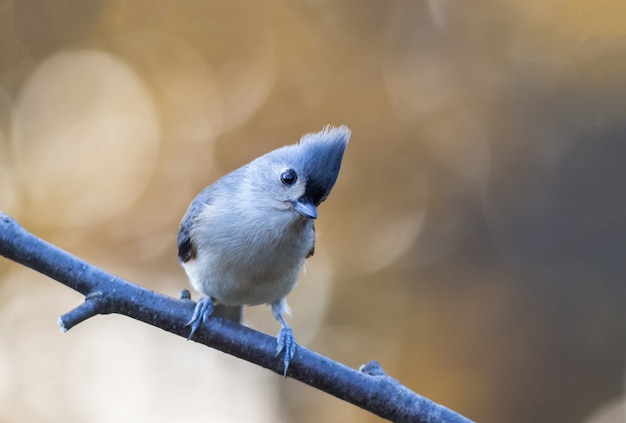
pixel 234 313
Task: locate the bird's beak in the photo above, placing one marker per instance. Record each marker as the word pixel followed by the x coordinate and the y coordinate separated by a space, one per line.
pixel 305 206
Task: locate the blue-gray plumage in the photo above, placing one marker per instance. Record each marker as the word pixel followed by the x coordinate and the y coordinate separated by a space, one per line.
pixel 245 238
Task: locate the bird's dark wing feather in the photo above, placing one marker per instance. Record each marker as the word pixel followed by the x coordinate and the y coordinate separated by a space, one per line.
pixel 186 249
pixel 312 251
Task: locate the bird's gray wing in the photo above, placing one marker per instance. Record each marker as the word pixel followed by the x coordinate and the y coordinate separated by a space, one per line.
pixel 225 185
pixel 186 248
pixel 312 251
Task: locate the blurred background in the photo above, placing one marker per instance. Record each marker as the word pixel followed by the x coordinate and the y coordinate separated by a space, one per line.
pixel 475 242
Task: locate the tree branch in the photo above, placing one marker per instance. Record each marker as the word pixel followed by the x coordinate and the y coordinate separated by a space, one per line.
pixel 369 388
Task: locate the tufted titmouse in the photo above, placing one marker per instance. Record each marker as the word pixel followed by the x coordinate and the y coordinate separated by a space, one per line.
pixel 245 238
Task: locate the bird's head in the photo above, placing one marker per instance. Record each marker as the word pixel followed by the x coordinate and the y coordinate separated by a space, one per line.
pixel 299 177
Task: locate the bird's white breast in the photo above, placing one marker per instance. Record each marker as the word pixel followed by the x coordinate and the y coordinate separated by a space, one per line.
pixel 248 258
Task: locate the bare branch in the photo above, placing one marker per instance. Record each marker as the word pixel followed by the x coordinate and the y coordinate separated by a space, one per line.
pixel 369 388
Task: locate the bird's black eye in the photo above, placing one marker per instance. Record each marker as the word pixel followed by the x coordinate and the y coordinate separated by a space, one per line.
pixel 288 177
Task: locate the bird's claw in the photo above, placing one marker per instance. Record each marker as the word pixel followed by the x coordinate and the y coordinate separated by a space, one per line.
pixel 203 310
pixel 285 341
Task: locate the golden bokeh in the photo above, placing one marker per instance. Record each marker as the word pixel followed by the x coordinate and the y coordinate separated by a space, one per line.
pixel 474 243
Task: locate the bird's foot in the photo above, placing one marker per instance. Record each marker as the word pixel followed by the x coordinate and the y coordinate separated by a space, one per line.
pixel 286 342
pixel 203 310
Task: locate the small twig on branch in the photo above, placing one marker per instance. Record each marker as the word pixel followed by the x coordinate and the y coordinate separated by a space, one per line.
pixel 369 388
pixel 95 303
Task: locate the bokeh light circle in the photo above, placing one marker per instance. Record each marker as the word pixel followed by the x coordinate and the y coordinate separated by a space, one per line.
pixel 86 138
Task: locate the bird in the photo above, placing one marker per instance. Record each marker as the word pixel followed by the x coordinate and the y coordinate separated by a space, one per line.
pixel 245 238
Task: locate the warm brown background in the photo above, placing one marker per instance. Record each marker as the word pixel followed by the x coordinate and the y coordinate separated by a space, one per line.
pixel 475 243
